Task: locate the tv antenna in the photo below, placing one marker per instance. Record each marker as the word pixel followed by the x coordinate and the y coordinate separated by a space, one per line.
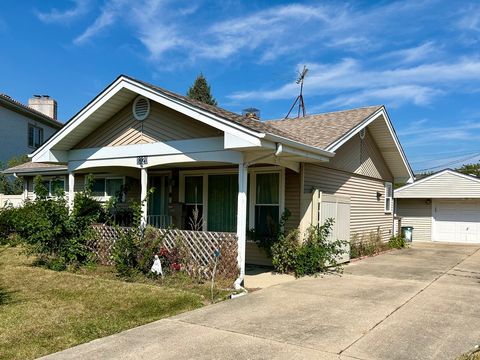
pixel 299 99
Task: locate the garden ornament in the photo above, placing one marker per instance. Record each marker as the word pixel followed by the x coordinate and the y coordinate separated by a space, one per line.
pixel 157 266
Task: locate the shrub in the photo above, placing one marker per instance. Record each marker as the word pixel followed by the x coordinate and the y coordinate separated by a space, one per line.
pixel 148 248
pixel 316 254
pixel 125 253
pixel 397 242
pixel 367 245
pixel 48 229
pixel 284 252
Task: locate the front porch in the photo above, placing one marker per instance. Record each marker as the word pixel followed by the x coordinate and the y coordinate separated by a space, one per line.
pixel 217 198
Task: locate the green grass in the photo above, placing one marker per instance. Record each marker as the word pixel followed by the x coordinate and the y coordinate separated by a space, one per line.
pixel 43 311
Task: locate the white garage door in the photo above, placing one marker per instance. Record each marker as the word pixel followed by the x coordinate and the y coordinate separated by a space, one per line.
pixel 457 221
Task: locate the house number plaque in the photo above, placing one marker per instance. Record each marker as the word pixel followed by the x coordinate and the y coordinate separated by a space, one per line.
pixel 142 160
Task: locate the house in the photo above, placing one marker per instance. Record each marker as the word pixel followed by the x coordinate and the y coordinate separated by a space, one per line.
pixel 444 206
pixel 234 172
pixel 26 128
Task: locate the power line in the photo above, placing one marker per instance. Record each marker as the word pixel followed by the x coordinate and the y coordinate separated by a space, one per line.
pixel 449 163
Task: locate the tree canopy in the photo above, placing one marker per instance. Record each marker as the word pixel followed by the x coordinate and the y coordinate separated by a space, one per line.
pixel 200 90
pixel 470 169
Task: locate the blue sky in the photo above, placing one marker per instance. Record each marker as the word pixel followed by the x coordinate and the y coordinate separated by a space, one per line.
pixel 419 58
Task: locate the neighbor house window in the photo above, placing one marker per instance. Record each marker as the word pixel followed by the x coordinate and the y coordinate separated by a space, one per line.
pixel 55 187
pixel 194 202
pixel 35 136
pixel 388 197
pixel 107 187
pixel 267 203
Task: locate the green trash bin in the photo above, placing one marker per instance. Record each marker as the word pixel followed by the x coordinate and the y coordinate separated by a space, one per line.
pixel 407 233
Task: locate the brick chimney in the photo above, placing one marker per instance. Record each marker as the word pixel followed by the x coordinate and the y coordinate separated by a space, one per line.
pixel 44 104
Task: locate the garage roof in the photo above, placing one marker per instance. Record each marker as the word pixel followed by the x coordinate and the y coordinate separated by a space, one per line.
pixel 446 184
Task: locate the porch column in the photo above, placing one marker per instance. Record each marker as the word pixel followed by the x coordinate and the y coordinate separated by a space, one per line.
pixel 143 195
pixel 71 190
pixel 241 220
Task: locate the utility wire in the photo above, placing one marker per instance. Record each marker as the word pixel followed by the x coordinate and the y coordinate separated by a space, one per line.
pixel 450 163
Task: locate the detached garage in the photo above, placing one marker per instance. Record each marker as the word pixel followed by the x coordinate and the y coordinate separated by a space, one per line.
pixel 441 207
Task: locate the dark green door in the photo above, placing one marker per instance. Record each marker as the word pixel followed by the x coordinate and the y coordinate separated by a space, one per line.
pixel 158 202
pixel 222 202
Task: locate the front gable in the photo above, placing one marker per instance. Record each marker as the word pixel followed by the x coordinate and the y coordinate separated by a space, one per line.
pixel 361 156
pixel 161 125
pixel 444 184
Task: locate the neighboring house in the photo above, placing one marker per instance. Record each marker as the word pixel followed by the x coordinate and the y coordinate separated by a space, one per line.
pixel 26 128
pixel 444 206
pixel 240 173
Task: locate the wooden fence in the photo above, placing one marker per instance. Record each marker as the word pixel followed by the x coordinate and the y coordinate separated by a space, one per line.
pixel 200 248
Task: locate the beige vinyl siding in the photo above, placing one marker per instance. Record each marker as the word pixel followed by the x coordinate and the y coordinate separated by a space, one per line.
pixel 162 124
pixel 366 212
pixel 361 157
pixel 256 255
pixel 79 183
pixel 416 213
pixel 446 185
pixel 292 198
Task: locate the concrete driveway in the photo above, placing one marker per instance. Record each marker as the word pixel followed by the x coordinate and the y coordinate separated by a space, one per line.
pixel 418 303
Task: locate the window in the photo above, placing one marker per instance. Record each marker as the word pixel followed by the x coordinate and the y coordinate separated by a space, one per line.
pixel 35 136
pixel 267 203
pixel 194 202
pixel 108 187
pixel 388 197
pixel 55 187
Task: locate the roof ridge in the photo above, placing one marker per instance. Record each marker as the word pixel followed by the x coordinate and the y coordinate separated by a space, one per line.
pixel 328 113
pixel 219 111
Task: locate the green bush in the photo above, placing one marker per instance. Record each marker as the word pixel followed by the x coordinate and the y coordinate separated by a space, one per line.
pixel 284 252
pixel 125 253
pixel 48 230
pixel 315 255
pixel 397 242
pixel 318 254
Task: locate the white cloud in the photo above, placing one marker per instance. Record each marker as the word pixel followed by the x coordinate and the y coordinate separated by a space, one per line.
pixel 81 7
pixel 427 50
pixel 109 14
pixel 349 82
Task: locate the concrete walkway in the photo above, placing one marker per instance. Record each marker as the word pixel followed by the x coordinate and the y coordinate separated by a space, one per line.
pixel 418 303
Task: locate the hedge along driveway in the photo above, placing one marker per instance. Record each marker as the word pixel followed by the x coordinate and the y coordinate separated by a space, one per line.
pixel 43 311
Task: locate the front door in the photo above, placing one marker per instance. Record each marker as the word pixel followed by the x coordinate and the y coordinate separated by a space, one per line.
pixel 158 215
pixel 222 202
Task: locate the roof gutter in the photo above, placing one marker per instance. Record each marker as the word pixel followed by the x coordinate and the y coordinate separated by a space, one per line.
pixel 297 145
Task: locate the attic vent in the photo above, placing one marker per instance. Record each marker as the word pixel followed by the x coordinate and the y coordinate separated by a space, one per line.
pixel 362 134
pixel 141 108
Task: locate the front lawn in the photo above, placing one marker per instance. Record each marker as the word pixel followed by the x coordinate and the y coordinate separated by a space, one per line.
pixel 44 311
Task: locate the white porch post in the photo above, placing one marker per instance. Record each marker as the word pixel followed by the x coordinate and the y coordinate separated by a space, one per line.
pixel 241 220
pixel 143 195
pixel 71 190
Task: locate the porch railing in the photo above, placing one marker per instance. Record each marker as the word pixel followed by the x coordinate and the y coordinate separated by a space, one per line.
pixel 159 221
pixel 199 248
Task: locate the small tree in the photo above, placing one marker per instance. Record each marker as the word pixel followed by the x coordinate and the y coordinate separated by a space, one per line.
pixel 200 90
pixel 8 184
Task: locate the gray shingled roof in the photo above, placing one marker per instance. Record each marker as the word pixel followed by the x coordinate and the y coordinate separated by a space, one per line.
pixel 252 124
pixel 322 130
pixel 318 130
pixel 7 100
pixel 34 167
